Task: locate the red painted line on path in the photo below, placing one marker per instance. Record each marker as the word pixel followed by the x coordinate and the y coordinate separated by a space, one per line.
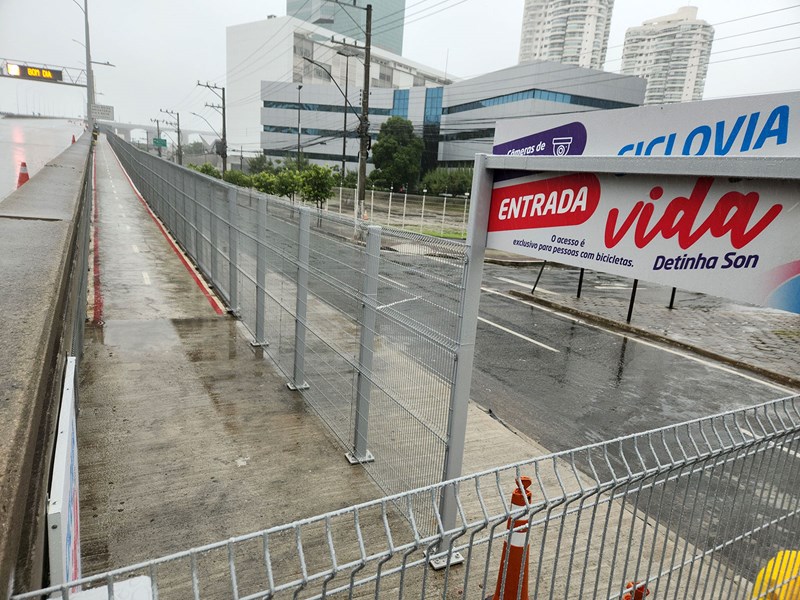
pixel 97 315
pixel 212 299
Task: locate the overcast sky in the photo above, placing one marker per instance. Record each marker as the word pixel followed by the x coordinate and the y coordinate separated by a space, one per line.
pixel 161 48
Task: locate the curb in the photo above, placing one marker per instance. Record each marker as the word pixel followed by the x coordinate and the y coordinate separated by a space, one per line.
pixel 650 335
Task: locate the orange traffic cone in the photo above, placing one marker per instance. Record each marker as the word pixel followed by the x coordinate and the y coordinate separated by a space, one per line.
pixel 73 138
pixel 511 566
pixel 23 174
pixel 637 591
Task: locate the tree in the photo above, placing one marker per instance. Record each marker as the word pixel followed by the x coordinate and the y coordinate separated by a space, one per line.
pixel 396 154
pixel 261 164
pixel 264 182
pixel 350 179
pixel 317 184
pixel 287 182
pixel 206 169
pixel 238 178
pixel 452 181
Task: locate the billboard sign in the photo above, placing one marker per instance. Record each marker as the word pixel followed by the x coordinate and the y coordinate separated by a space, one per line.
pixel 30 72
pixel 730 237
pixel 749 126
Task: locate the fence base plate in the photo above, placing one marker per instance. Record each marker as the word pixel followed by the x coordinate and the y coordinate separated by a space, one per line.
pixel 297 388
pixel 439 561
pixel 256 344
pixel 353 460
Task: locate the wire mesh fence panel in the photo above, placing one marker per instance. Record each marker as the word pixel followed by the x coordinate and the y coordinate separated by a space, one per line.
pixel 696 510
pixel 369 338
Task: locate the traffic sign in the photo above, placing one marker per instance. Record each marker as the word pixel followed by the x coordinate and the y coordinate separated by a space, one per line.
pixel 159 142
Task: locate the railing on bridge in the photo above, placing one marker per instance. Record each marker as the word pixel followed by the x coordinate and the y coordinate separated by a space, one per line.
pixel 366 322
pixel 693 510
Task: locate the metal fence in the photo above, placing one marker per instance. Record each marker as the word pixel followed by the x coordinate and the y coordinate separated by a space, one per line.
pixel 440 215
pixel 365 322
pixel 694 510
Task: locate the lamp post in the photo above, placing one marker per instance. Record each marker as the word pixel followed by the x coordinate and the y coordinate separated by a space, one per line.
pixel 299 87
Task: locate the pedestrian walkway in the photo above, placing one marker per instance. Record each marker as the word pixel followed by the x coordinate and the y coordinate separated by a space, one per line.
pixel 187 434
pixel 762 340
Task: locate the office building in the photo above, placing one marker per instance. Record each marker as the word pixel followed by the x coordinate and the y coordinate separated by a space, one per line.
pixel 672 53
pixel 572 32
pixel 272 89
pixel 388 17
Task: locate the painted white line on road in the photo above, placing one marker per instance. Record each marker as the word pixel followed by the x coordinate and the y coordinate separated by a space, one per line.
pixel 771 445
pixel 392 281
pixel 146 278
pixel 519 335
pixel 135 248
pixel 381 307
pixel 524 285
pixel 686 355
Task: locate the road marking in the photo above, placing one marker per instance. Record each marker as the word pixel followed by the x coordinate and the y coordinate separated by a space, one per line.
pixel 645 342
pixel 617 287
pixel 392 281
pixel 381 307
pixel 526 286
pixel 135 248
pixel 519 335
pixel 128 227
pixel 146 278
pixel 771 444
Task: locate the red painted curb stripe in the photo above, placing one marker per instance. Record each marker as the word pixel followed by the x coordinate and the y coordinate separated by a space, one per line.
pixel 97 315
pixel 212 300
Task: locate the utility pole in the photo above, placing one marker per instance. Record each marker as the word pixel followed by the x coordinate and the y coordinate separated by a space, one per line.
pixel 344 127
pixel 89 73
pixel 220 108
pixel 299 87
pixel 177 116
pixel 363 124
pixel 158 133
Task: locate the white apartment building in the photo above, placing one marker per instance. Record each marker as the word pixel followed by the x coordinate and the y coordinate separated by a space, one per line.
pixel 672 53
pixel 573 32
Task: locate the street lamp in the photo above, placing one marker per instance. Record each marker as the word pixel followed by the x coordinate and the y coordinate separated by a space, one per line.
pixel 299 87
pixel 207 123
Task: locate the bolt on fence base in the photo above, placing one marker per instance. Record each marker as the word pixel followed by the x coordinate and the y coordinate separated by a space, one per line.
pixel 355 460
pixel 441 561
pixel 257 344
pixel 297 388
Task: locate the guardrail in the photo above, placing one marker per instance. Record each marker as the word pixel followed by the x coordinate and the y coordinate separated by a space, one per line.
pixel 694 510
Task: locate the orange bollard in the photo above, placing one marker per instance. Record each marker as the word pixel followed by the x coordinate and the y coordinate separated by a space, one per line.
pixel 638 591
pixel 515 552
pixel 23 174
pixel 73 138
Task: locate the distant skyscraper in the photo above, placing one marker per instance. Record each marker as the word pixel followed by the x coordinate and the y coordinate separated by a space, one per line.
pixel 388 19
pixel 672 53
pixel 574 32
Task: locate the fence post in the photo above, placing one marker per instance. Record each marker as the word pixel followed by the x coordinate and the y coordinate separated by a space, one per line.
pixel 212 233
pixel 465 351
pixel 233 251
pixel 369 312
pixel 261 272
pixel 303 241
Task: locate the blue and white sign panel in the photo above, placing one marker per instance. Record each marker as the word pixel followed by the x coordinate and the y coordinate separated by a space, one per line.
pixel 63 525
pixel 767 125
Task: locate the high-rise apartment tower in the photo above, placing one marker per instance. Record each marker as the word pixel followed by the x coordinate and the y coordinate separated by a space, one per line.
pixel 388 18
pixel 672 53
pixel 574 32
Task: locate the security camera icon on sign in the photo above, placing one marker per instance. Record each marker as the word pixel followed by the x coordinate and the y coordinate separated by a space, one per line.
pixel 561 145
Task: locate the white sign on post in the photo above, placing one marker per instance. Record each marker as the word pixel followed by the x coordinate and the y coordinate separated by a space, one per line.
pixel 104 112
pixel 725 236
pixel 63 524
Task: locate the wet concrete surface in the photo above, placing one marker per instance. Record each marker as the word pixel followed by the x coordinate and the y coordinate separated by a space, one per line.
pixel 186 433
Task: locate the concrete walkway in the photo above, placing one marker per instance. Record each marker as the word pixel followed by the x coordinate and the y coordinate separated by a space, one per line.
pixel 762 340
pixel 187 434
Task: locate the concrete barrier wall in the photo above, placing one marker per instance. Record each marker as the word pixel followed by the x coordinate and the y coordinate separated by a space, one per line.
pixel 38 227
